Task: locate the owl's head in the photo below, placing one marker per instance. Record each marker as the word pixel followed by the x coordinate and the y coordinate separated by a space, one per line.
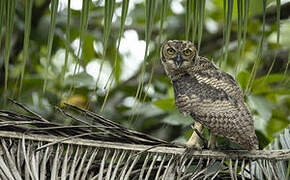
pixel 177 55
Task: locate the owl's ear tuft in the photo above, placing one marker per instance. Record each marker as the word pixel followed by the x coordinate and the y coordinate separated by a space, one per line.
pixel 161 51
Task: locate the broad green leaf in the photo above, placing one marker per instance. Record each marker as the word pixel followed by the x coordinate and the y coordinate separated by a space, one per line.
pixel 276 125
pixel 88 46
pixel 81 80
pixel 261 84
pixel 167 105
pixel 243 78
pixel 177 119
pixel 262 106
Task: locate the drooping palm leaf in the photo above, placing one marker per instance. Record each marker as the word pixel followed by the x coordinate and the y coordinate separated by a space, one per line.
pixel 201 17
pixel 67 41
pixel 2 16
pixel 272 169
pixel 54 6
pixel 36 148
pixel 108 16
pixel 259 51
pixel 188 18
pixel 194 19
pixel 243 13
pixel 10 11
pixel 150 6
pixel 228 13
pixel 83 28
pixel 28 12
pixel 125 6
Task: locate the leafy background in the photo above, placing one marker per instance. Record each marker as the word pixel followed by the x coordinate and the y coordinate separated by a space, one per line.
pixel 103 55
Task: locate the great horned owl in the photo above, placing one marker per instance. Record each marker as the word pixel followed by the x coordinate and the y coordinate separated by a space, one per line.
pixel 211 97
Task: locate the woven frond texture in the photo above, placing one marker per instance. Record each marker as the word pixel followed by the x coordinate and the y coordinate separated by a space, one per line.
pixel 34 148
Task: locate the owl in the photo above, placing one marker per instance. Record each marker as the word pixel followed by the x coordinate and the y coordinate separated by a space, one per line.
pixel 211 97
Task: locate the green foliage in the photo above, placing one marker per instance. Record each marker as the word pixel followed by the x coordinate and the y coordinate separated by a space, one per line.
pixel 94 56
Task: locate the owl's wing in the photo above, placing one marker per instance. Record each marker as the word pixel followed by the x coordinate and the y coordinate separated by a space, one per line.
pixel 215 99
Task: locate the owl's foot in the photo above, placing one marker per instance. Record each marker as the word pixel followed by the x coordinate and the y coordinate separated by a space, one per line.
pixel 203 139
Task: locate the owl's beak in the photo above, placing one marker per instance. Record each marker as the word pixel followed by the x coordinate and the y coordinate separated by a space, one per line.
pixel 178 60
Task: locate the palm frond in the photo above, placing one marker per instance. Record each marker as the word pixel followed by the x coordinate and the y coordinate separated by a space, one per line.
pixel 273 169
pixel 35 148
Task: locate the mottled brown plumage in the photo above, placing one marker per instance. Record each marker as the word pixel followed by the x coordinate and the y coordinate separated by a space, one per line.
pixel 210 96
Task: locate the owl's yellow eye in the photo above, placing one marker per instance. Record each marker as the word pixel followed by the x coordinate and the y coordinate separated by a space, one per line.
pixel 170 51
pixel 187 52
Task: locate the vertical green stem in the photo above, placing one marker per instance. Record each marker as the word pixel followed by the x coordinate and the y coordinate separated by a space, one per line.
pixel 10 11
pixel 2 13
pixel 228 7
pixel 201 8
pixel 260 48
pixel 54 6
pixel 194 18
pixel 125 6
pixel 188 17
pixel 67 42
pixel 28 12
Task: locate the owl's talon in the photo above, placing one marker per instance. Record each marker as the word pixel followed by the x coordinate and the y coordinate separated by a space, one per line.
pixel 204 140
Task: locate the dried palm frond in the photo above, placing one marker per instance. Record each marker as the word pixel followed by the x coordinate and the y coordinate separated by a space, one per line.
pixel 35 148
